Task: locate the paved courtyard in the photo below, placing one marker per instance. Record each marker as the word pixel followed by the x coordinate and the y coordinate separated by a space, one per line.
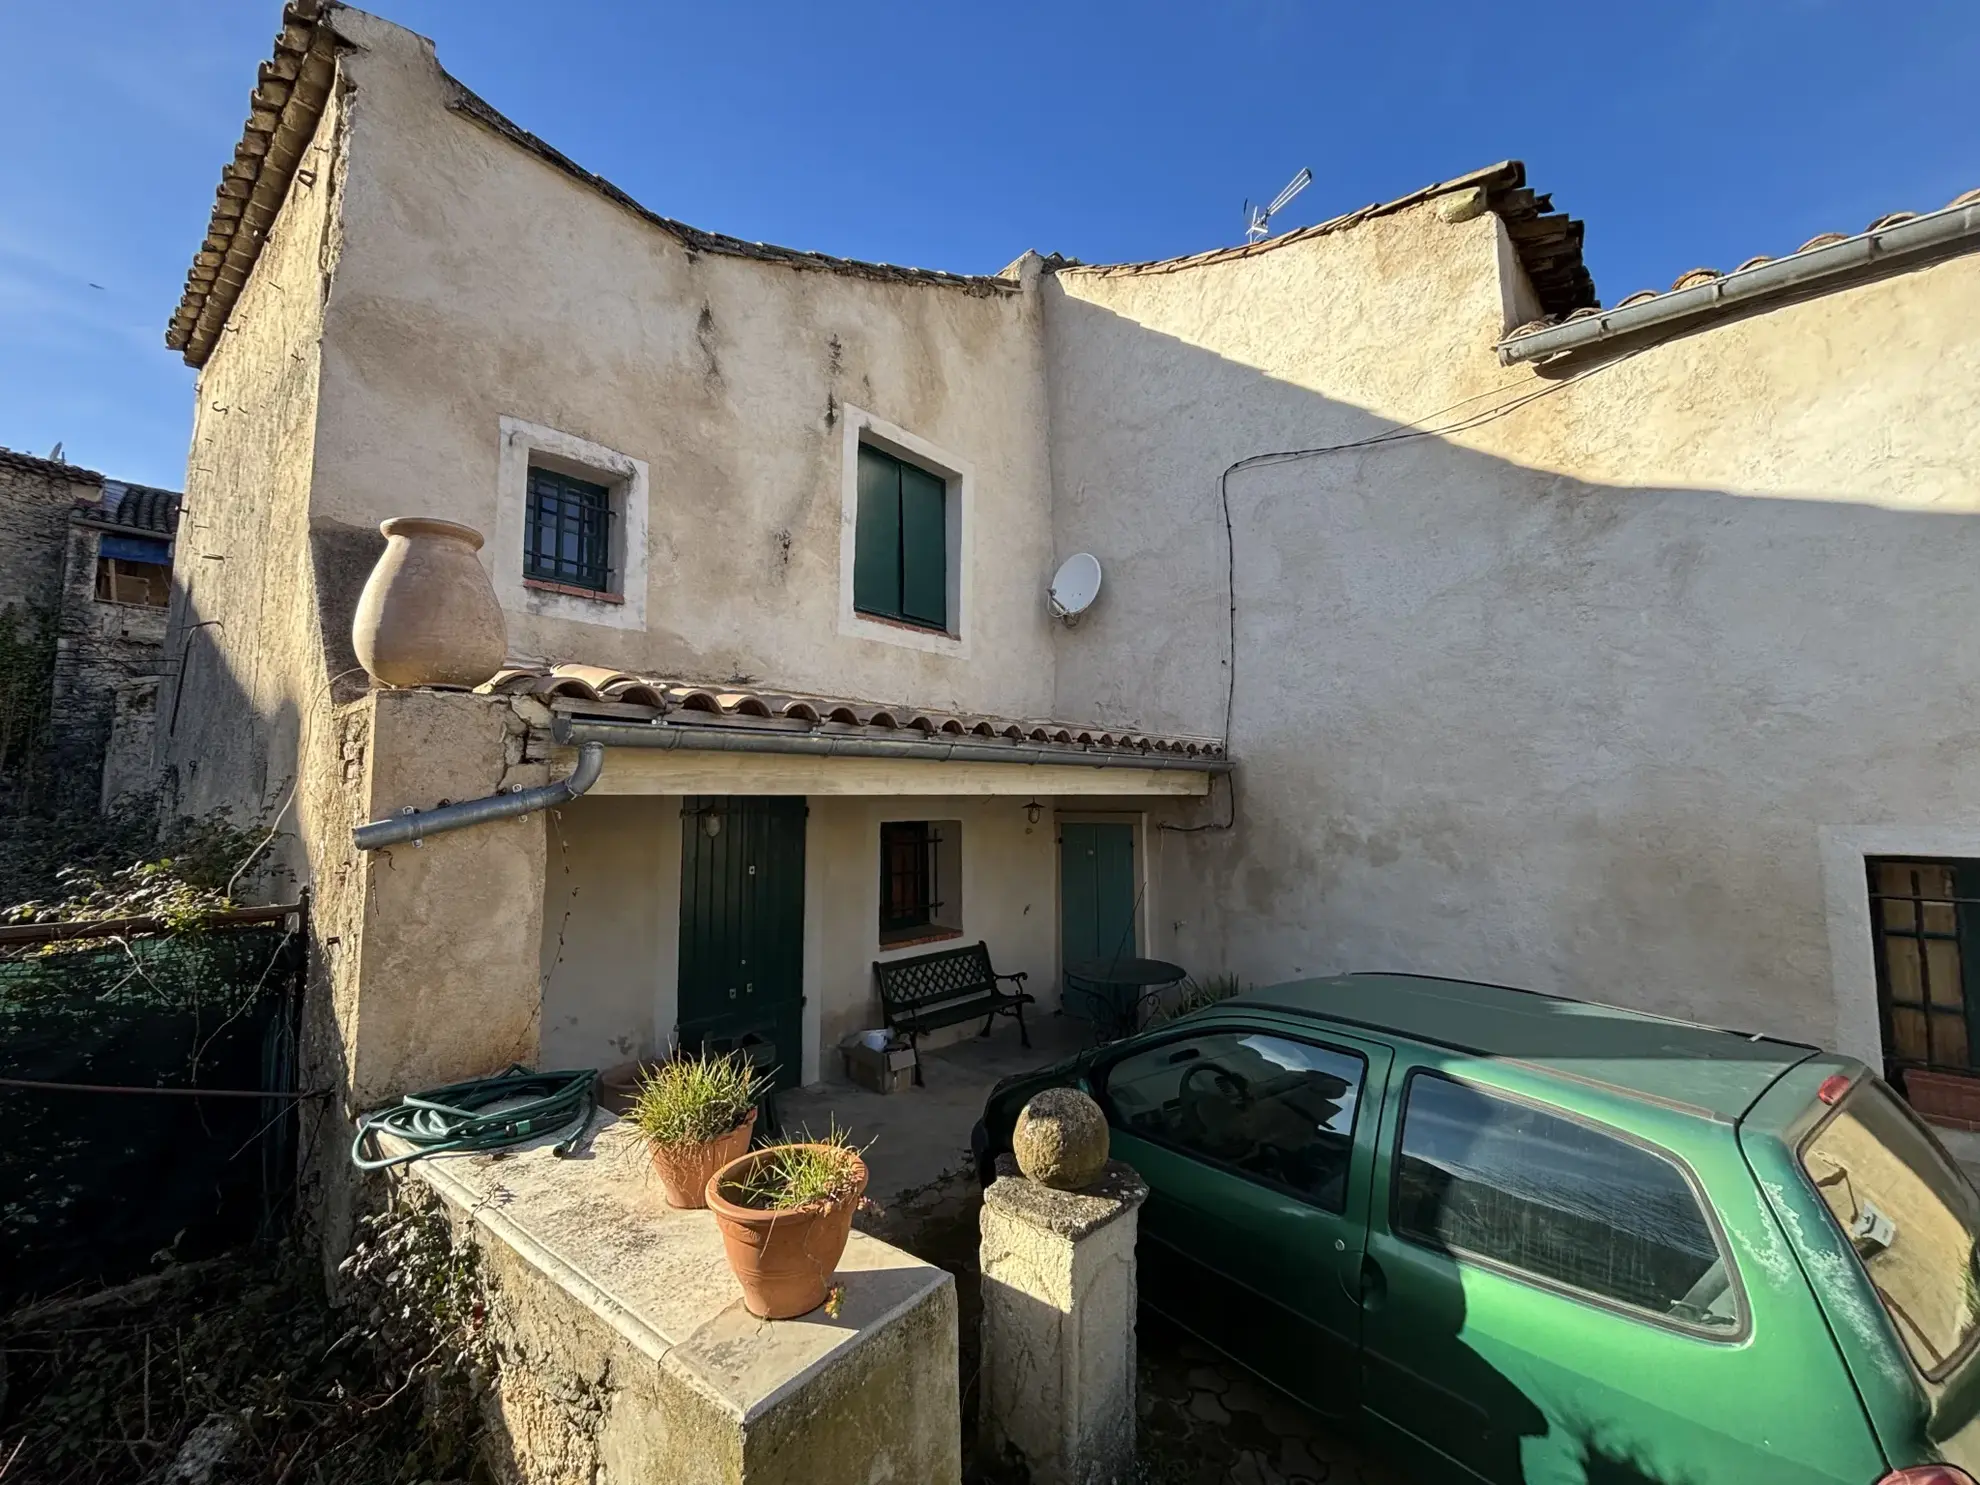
pixel 1203 1421
pixel 921 1134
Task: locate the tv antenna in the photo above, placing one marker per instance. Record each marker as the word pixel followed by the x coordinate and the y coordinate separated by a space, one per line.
pixel 1258 219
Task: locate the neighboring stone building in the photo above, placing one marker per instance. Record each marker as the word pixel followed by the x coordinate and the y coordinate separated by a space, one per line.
pixel 1617 675
pixel 87 570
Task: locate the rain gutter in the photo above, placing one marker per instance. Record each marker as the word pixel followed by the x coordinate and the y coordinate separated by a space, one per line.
pixel 1955 228
pixel 690 737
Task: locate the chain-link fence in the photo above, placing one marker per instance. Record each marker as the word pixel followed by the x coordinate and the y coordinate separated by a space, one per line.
pixel 147 1094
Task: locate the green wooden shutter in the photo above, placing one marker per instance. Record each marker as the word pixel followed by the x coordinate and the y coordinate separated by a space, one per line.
pixel 924 548
pixel 877 536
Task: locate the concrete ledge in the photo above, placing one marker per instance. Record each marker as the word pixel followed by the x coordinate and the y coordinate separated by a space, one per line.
pixel 627 1354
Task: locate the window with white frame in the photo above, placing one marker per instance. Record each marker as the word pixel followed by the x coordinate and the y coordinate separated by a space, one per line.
pixel 571 528
pixel 905 535
pixel 901 553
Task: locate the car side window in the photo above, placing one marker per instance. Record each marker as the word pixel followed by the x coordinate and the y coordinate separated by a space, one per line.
pixel 1276 1110
pixel 1488 1178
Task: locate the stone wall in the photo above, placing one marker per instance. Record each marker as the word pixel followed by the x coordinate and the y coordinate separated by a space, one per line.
pixel 107 660
pixel 36 497
pixel 102 681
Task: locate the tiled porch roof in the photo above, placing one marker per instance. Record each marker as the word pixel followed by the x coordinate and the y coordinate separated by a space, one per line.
pixel 620 694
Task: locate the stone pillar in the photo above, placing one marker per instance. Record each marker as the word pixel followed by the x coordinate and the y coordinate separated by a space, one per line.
pixel 448 965
pixel 1058 1325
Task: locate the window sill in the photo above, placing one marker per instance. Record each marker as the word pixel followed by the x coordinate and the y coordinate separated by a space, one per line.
pixel 908 624
pixel 572 590
pixel 912 938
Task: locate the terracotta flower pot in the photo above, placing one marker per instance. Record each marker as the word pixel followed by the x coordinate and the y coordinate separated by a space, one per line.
pixel 685 1169
pixel 783 1260
pixel 428 615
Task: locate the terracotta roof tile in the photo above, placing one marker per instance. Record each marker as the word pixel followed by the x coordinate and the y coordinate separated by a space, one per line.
pixel 1548 242
pixel 139 507
pixel 1705 275
pixel 691 704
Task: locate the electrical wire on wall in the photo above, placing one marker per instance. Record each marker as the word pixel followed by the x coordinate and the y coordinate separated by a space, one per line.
pixel 1403 434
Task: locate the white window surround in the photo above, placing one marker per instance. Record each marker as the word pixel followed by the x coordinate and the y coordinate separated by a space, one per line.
pixel 525 443
pixel 1846 901
pixel 960 482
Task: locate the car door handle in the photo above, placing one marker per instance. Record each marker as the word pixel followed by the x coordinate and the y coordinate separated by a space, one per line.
pixel 1374 1284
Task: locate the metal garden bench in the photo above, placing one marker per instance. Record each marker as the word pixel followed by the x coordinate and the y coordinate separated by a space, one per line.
pixel 945 988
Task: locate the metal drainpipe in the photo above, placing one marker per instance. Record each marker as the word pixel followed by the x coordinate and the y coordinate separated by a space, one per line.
pixel 417 824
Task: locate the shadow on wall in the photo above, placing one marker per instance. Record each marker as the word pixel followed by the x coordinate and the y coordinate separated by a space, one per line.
pixel 1494 721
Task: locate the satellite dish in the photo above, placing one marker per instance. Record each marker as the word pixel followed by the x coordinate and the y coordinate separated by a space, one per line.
pixel 1074 587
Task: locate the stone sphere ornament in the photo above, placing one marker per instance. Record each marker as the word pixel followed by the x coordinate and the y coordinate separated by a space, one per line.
pixel 1061 1139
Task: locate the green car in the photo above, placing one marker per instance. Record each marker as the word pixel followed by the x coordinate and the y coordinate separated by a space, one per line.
pixel 1523 1239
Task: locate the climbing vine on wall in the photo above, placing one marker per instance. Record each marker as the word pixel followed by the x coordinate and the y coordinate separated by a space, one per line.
pixel 27 668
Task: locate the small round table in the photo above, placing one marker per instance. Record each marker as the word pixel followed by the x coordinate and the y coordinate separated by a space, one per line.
pixel 1118 988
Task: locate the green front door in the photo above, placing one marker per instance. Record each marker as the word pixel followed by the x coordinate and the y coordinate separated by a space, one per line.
pixel 1096 892
pixel 742 929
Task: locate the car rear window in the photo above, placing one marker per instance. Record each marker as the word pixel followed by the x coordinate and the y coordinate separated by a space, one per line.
pixel 1486 1177
pixel 1911 1216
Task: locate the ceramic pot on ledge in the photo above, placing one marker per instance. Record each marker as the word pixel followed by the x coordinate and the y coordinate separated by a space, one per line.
pixel 428 615
pixel 784 1260
pixel 684 1169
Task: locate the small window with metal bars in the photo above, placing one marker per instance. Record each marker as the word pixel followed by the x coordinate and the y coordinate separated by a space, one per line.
pixel 567 532
pixel 917 866
pixel 1925 918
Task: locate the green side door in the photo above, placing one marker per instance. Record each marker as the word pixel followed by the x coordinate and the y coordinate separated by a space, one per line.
pixel 1564 1285
pixel 741 983
pixel 1257 1139
pixel 1096 891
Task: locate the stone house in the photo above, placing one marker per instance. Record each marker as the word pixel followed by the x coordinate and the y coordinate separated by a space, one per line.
pixel 1451 622
pixel 89 563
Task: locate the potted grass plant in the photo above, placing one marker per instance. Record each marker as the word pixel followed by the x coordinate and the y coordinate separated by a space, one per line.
pixel 785 1214
pixel 696 1115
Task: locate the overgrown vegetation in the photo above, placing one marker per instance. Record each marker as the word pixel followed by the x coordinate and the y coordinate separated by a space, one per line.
pixel 691 1100
pixel 786 1177
pixel 81 866
pixel 244 1366
pixel 1198 993
pixel 27 671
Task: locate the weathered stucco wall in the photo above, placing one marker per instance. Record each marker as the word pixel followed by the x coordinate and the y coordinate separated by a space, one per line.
pixel 1565 698
pixel 478 282
pixel 245 651
pixel 448 939
pixel 611 928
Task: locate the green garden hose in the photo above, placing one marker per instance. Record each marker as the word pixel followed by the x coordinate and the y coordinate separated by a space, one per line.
pixel 482 1114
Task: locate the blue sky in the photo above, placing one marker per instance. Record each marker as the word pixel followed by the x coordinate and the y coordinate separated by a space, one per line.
pixel 1684 134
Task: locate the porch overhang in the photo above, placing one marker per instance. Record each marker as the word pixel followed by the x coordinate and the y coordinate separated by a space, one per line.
pixel 661 756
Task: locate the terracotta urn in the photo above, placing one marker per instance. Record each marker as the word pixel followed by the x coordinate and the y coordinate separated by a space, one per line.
pixel 684 1169
pixel 428 615
pixel 783 1259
